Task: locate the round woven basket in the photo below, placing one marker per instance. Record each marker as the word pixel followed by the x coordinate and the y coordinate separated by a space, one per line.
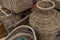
pixel 45 20
pixel 22 32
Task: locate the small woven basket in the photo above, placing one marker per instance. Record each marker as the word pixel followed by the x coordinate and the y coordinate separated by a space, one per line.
pixel 17 5
pixel 8 18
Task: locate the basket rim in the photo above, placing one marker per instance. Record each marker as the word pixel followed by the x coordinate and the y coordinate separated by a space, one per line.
pixel 41 8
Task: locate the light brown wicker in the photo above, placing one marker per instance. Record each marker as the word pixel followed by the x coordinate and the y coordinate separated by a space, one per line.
pixel 17 5
pixel 8 18
pixel 45 20
pixel 23 31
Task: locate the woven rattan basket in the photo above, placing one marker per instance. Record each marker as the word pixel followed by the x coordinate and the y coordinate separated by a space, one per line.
pixel 8 18
pixel 22 33
pixel 45 20
pixel 17 5
pixel 3 31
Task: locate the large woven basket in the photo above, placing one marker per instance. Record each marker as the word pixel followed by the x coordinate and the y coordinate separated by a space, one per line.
pixel 22 33
pixel 45 20
pixel 17 5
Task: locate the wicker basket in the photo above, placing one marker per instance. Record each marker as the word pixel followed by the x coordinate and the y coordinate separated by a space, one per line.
pixel 22 33
pixel 3 31
pixel 17 5
pixel 45 20
pixel 8 18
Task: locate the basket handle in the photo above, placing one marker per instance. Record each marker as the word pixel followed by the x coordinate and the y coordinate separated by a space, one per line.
pixel 4 11
pixel 41 8
pixel 23 27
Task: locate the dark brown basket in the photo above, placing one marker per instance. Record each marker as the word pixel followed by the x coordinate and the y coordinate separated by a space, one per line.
pixel 45 20
pixel 17 5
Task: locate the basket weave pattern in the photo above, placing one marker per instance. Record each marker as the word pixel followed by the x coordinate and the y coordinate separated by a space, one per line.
pixel 21 31
pixel 46 22
pixel 17 5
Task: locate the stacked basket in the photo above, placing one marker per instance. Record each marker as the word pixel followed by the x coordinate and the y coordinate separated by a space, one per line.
pixel 17 5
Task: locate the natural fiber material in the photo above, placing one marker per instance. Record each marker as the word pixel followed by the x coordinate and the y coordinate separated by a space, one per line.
pixel 22 33
pixel 9 20
pixel 57 2
pixel 45 20
pixel 48 36
pixel 17 5
pixel 0 2
pixel 3 31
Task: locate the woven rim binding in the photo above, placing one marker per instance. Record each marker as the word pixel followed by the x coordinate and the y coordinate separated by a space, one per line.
pixel 41 8
pixel 25 26
pixel 20 34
